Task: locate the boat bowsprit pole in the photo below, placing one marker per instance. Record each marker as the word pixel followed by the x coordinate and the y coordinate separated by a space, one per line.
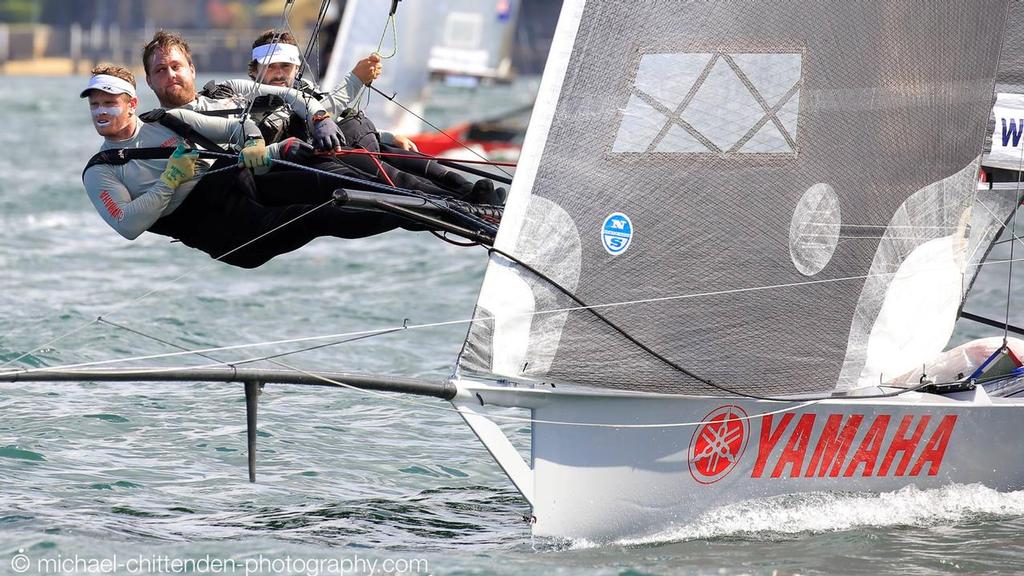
pixel 254 381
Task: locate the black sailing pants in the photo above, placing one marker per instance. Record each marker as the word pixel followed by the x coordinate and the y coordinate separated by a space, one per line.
pixel 231 208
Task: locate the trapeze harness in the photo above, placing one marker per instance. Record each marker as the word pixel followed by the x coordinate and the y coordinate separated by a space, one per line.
pixel 280 123
pixel 226 209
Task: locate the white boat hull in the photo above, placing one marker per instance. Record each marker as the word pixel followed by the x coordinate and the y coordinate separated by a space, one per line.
pixel 607 483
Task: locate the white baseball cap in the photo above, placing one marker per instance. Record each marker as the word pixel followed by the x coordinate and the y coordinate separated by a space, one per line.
pixel 110 85
pixel 276 52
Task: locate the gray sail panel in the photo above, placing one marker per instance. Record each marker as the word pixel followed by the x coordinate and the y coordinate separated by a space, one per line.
pixel 875 100
pixel 1010 77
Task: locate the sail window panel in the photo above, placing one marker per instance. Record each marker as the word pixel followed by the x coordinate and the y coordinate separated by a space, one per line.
pixel 772 75
pixel 788 114
pixel 668 78
pixel 767 140
pixel 723 109
pixel 678 140
pixel 717 103
pixel 639 127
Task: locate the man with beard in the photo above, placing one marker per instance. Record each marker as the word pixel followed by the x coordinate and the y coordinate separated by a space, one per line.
pixel 137 184
pixel 170 72
pixel 171 75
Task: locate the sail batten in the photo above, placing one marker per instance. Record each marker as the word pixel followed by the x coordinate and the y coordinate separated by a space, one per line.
pixel 721 147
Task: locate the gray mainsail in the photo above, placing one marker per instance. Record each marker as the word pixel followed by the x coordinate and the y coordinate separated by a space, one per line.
pixel 741 186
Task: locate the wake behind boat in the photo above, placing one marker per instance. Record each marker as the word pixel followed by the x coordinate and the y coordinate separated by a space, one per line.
pixel 735 248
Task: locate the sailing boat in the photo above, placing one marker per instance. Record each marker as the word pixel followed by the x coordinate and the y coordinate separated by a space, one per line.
pixel 475 41
pixel 729 239
pixel 728 235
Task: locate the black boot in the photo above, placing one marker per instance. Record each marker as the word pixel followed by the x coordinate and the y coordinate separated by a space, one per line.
pixel 484 192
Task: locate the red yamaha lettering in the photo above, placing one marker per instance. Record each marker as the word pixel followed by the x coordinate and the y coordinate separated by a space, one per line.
pixel 867 453
pixel 768 440
pixel 901 443
pixel 833 445
pixel 793 453
pixel 112 208
pixel 936 448
pixel 851 444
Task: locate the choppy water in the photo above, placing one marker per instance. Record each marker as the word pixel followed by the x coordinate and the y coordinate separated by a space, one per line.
pixel 136 476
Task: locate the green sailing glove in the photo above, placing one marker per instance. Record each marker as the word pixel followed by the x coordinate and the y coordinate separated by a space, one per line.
pixel 255 155
pixel 180 167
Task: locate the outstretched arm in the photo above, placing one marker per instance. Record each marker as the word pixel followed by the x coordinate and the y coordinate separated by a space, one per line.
pixel 110 197
pixel 363 73
pixel 221 130
pixel 304 105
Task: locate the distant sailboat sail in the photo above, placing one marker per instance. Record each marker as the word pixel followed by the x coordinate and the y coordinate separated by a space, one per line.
pixel 751 190
pixel 439 37
pixel 996 200
pixel 475 38
pixel 405 74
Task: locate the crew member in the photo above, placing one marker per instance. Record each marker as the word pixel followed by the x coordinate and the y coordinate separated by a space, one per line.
pixel 215 213
pixel 277 61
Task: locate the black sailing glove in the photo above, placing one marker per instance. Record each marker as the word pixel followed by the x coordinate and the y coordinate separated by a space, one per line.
pixel 327 135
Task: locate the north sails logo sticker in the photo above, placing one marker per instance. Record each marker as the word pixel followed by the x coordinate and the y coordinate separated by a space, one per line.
pixel 616 233
pixel 718 444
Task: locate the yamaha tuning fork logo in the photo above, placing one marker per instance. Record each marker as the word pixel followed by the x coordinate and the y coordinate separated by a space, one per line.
pixel 718 443
pixel 616 233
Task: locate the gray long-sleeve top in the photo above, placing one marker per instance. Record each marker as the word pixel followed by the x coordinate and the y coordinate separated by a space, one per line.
pixel 246 90
pixel 131 197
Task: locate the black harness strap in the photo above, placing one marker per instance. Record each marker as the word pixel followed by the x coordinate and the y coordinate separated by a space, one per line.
pixel 119 156
pixel 181 128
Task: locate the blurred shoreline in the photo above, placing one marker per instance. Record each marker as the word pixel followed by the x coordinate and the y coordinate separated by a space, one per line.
pixel 48 67
pixel 44 50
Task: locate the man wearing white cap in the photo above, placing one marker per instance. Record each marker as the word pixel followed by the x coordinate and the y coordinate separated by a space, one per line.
pixel 142 180
pixel 277 61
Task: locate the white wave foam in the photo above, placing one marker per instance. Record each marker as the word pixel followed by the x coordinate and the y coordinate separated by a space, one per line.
pixel 837 512
pixel 49 220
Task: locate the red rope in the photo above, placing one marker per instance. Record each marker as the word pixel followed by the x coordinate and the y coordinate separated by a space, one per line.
pixel 380 167
pixel 412 156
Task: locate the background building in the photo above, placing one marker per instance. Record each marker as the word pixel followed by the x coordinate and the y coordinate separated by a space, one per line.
pixel 69 36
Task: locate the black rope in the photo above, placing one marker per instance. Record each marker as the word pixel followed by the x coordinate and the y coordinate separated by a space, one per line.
pixel 1001 324
pixel 314 41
